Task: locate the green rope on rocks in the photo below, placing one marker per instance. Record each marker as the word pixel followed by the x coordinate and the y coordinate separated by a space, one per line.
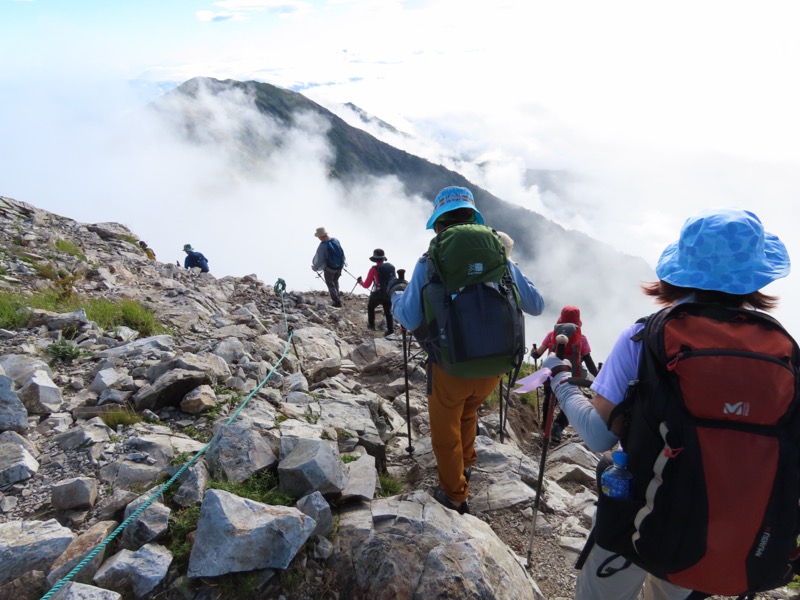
pixel 280 286
pixel 66 579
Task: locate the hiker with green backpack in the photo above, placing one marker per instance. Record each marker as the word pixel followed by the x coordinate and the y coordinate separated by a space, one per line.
pixel 378 278
pixel 464 305
pixel 703 398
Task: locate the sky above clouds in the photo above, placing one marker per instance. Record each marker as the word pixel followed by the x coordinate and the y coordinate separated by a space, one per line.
pixel 654 111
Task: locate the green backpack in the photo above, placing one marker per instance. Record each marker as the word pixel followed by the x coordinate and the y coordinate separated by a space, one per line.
pixel 473 324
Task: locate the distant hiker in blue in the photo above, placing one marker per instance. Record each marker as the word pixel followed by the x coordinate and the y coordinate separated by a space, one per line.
pixel 194 259
pixel 330 260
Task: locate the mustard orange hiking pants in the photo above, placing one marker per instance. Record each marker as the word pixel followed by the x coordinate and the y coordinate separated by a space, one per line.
pixel 453 408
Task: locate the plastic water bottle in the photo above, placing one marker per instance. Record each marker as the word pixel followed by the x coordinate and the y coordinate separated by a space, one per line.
pixel 617 481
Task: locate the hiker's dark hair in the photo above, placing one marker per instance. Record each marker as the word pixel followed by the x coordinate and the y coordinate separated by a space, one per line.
pixel 456 216
pixel 666 294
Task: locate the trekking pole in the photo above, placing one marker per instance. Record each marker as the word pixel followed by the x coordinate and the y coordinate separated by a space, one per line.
pixel 349 273
pixel 538 395
pixel 354 287
pixel 500 398
pixel 561 341
pixel 410 448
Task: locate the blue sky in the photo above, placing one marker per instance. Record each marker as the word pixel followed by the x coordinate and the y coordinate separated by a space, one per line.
pixel 661 109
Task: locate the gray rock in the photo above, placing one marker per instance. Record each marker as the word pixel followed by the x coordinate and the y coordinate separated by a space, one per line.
pixel 158 343
pixel 111 379
pixel 236 534
pixel 362 477
pixel 19 367
pixel 82 591
pixel 169 389
pixel 78 549
pixel 91 432
pixel 136 573
pixel 198 400
pixel 313 465
pixel 315 506
pixel 238 452
pixel 40 395
pixel 31 545
pixel 13 414
pixel 16 464
pixel 72 320
pixel 458 556
pixel 194 485
pixel 150 525
pixel 76 492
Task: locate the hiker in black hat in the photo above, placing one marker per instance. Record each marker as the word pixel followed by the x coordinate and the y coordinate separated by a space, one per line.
pixel 378 278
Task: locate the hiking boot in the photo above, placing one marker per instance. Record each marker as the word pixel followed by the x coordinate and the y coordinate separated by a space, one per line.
pixel 371 327
pixel 337 305
pixel 388 333
pixel 555 433
pixel 442 498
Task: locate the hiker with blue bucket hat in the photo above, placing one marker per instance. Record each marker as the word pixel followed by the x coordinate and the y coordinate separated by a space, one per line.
pixel 697 395
pixel 473 273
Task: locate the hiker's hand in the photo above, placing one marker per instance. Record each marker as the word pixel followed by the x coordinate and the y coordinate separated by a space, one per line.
pixel 358 279
pixel 396 285
pixel 556 365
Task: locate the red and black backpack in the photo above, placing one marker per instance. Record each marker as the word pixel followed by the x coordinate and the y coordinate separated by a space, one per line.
pixel 713 441
pixel 572 350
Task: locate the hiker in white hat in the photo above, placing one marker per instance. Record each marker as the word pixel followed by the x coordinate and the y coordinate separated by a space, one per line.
pixel 329 259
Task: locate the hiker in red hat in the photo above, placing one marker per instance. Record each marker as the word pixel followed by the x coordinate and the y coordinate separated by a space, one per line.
pixel 577 351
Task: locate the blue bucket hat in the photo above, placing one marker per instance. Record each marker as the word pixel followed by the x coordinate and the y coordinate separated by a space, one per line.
pixel 451 198
pixel 725 250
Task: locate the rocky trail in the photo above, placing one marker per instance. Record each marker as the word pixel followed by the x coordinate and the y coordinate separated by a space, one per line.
pixel 304 487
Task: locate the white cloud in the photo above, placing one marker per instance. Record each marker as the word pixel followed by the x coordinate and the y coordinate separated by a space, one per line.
pixel 651 112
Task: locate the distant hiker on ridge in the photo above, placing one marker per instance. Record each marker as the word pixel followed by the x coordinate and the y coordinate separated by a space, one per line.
pixel 330 260
pixel 577 351
pixel 379 277
pixel 194 259
pixel 482 310
pixel 147 250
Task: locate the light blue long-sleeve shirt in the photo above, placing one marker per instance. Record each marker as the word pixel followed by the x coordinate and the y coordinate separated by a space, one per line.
pixel 407 306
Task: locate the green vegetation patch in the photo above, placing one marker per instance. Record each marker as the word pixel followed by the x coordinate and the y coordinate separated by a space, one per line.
pixel 261 487
pixel 63 351
pixel 13 313
pixel 120 416
pixel 70 248
pixel 181 523
pixel 390 486
pixel 108 314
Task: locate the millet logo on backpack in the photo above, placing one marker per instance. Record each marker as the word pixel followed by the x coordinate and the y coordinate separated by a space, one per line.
pixel 762 543
pixel 737 408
